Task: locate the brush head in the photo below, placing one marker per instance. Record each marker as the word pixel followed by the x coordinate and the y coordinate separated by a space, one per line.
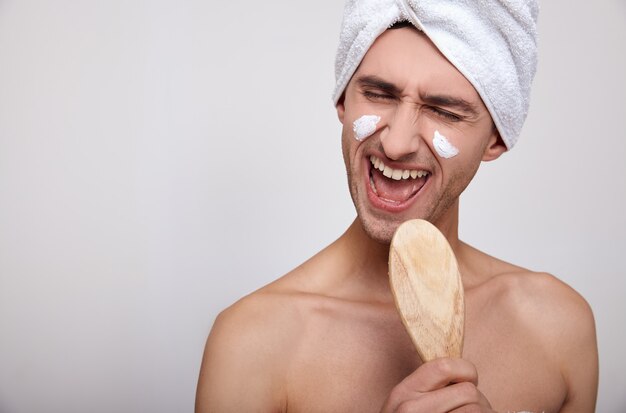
pixel 427 288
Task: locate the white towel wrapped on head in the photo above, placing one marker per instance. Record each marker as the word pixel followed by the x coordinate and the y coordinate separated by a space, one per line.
pixel 493 43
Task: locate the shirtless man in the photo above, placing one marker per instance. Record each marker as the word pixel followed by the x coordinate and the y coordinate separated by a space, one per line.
pixel 327 337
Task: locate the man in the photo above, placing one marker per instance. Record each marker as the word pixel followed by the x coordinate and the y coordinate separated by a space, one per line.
pixel 327 337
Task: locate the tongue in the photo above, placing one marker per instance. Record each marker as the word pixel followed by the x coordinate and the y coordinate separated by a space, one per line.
pixel 397 191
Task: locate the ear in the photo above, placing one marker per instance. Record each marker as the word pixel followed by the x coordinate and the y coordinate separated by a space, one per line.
pixel 495 146
pixel 341 108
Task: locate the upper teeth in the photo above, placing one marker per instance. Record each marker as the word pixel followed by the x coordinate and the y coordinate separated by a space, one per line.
pixel 396 174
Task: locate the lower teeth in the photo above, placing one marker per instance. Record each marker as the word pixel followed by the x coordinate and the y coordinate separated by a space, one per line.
pixel 372 185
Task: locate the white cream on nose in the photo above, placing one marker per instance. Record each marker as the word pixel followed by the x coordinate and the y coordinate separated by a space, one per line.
pixel 365 126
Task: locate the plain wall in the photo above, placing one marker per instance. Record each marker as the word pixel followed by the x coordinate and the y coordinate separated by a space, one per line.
pixel 160 159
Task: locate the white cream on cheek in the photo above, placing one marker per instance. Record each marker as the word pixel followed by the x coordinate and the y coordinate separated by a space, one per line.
pixel 443 146
pixel 365 126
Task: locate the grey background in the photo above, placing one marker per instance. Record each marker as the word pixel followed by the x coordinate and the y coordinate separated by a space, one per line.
pixel 158 160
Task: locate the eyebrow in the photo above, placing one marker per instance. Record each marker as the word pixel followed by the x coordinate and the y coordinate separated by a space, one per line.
pixel 378 83
pixel 451 102
pixel 437 100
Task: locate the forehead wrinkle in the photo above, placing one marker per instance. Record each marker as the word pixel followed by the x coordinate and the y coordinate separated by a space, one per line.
pixel 422 65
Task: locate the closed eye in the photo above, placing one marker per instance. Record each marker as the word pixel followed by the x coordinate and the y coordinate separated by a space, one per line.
pixel 376 96
pixel 445 114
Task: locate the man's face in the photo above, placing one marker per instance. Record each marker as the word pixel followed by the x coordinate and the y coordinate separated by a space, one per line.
pixel 406 81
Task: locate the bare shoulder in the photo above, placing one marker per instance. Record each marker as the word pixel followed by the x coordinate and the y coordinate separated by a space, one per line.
pixel 253 342
pixel 559 319
pixel 556 310
pixel 542 299
pixel 257 318
pixel 247 354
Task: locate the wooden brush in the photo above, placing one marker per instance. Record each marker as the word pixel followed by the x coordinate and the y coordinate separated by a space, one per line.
pixel 427 288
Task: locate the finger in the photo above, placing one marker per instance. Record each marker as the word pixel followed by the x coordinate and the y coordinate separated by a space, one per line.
pixel 472 408
pixel 439 373
pixel 428 377
pixel 450 398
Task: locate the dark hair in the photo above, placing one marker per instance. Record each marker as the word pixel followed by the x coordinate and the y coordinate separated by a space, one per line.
pixel 400 24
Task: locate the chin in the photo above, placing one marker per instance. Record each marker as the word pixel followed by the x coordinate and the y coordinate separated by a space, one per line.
pixel 379 230
pixel 382 228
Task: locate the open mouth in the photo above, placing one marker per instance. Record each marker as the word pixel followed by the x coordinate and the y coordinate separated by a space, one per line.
pixel 394 189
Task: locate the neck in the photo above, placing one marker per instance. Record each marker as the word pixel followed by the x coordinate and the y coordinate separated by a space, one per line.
pixel 370 259
pixel 448 224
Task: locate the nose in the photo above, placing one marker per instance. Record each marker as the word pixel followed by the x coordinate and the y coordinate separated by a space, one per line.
pixel 401 136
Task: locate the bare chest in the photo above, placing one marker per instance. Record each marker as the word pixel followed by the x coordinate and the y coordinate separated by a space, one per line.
pixel 351 363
